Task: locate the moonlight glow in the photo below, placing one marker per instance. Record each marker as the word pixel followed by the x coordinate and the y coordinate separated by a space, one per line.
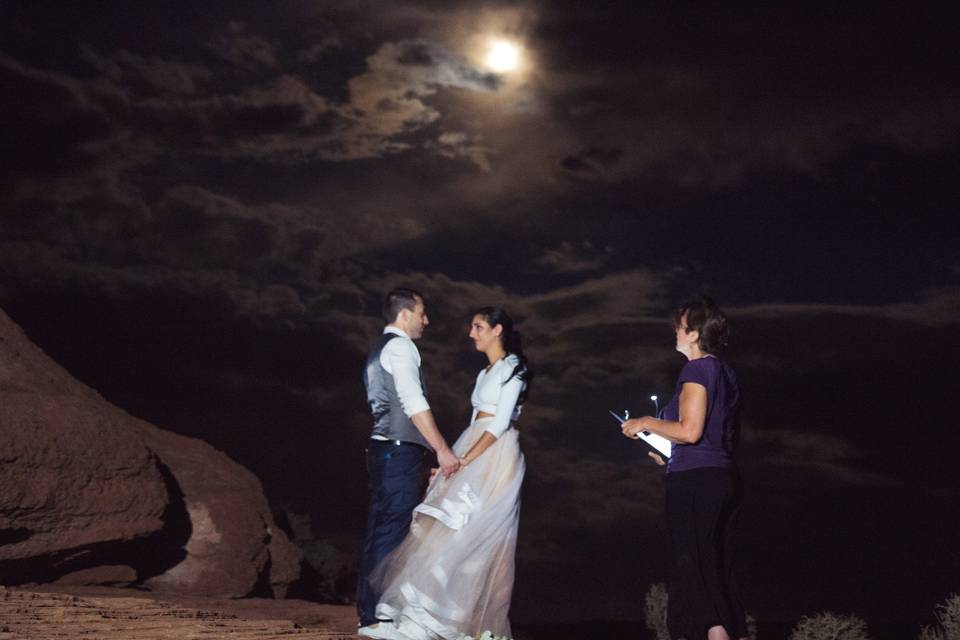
pixel 503 56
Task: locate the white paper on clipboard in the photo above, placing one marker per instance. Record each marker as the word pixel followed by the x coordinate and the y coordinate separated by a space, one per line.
pixel 659 444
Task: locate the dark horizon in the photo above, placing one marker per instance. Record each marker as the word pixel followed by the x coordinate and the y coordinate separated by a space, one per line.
pixel 203 205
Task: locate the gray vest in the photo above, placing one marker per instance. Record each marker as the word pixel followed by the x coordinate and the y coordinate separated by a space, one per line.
pixel 389 420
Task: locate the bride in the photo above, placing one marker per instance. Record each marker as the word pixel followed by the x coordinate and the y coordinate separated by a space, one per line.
pixel 453 574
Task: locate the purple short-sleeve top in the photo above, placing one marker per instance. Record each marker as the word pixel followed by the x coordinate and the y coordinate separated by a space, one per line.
pixel 716 447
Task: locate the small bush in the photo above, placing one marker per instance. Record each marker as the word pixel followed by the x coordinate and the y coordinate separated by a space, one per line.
pixel 655 611
pixel 751 627
pixel 830 626
pixel 328 566
pixel 948 621
pixel 948 614
pixel 930 633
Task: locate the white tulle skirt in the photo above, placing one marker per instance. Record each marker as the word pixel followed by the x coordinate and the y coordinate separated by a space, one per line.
pixel 453 573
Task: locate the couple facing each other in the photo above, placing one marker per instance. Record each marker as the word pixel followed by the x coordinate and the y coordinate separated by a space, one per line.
pixel 440 565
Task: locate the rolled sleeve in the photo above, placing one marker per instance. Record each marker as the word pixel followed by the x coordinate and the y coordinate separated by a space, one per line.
pixel 401 360
pixel 506 403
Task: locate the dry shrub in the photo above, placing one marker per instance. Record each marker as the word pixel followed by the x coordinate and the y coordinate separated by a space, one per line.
pixel 948 621
pixel 948 614
pixel 655 611
pixel 930 633
pixel 830 626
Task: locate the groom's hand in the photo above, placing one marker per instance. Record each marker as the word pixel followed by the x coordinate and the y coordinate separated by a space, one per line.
pixel 449 462
pixel 427 427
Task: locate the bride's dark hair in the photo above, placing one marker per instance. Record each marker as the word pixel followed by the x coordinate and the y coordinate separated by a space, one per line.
pixel 512 343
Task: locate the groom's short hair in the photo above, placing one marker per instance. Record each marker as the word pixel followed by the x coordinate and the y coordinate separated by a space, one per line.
pixel 398 299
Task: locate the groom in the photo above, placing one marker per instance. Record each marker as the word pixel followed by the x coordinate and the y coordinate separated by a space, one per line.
pixel 404 430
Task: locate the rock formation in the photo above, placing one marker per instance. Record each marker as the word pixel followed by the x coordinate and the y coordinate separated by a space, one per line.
pixel 90 494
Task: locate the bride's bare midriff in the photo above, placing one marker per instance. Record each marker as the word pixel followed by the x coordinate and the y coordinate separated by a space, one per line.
pixel 484 414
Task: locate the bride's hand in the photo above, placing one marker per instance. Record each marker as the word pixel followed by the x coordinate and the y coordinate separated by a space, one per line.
pixel 433 473
pixel 463 462
pixel 449 463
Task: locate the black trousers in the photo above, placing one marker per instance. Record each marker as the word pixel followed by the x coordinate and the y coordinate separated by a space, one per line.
pixel 394 488
pixel 702 507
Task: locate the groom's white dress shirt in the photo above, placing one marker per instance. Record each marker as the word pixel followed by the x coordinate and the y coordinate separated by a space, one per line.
pixel 401 359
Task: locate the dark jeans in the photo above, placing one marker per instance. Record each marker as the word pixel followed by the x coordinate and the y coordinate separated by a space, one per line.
pixel 702 507
pixel 394 485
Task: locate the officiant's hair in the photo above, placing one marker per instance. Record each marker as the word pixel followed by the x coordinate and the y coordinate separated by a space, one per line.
pixel 398 299
pixel 705 316
pixel 512 343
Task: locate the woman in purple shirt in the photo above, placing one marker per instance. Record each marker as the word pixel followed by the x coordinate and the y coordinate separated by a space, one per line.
pixel 702 484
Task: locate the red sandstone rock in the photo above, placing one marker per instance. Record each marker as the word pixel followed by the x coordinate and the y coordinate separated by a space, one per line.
pixel 71 472
pixel 83 484
pixel 234 539
pixel 116 574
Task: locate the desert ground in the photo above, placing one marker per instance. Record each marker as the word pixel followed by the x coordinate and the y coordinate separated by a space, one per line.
pixel 42 612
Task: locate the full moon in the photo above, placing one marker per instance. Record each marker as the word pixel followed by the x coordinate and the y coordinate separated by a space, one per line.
pixel 503 56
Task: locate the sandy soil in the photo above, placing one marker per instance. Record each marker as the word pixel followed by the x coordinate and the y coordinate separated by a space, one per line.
pixel 44 612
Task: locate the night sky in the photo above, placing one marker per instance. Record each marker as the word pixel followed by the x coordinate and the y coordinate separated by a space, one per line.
pixel 201 205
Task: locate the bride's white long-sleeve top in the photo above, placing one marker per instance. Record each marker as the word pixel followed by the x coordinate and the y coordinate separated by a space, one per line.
pixel 497 394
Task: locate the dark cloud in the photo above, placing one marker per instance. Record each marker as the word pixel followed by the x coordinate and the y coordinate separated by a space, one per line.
pixel 573 258
pixel 50 125
pixel 417 54
pixel 234 44
pixel 458 144
pixel 160 74
pixel 574 163
pixel 593 160
pixel 316 50
pixel 702 100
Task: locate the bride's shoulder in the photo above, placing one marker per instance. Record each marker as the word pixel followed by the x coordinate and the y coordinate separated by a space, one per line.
pixel 510 363
pixel 501 369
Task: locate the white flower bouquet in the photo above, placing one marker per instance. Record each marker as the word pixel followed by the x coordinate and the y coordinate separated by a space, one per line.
pixel 486 635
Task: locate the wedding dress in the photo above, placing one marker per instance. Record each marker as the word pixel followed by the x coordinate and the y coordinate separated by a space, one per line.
pixel 453 574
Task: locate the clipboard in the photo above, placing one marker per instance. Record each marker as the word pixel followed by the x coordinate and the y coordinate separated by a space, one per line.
pixel 658 444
